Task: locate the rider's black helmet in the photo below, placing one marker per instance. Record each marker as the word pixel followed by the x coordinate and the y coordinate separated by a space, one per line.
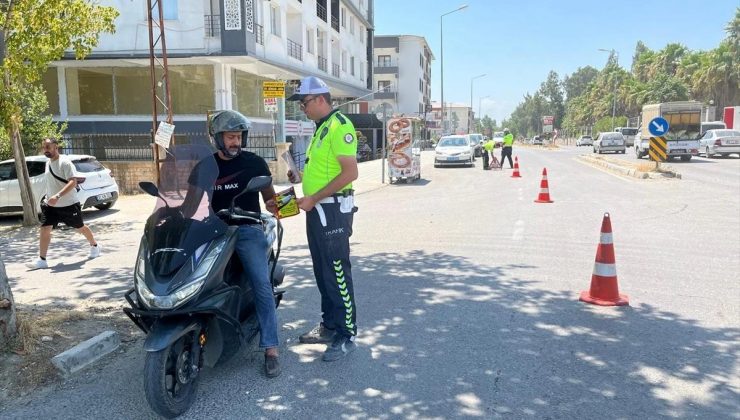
pixel 224 121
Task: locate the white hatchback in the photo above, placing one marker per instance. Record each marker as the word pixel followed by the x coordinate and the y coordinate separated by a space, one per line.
pixel 609 142
pixel 99 189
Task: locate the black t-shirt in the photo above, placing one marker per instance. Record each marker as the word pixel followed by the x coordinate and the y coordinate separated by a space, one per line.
pixel 233 177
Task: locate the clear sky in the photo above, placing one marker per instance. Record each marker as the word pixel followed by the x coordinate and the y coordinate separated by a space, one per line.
pixel 516 43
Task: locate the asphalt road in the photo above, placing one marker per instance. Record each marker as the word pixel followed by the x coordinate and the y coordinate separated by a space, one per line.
pixel 467 295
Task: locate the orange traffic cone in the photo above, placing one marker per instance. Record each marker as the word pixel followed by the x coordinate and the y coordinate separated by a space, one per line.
pixel 604 289
pixel 516 167
pixel 544 196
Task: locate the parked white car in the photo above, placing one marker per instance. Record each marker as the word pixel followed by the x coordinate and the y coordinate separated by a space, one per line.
pixel 99 189
pixel 610 141
pixel 720 141
pixel 454 150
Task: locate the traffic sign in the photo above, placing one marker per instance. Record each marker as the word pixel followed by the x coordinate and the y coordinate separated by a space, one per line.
pixel 658 126
pixel 273 89
pixel 271 104
pixel 658 150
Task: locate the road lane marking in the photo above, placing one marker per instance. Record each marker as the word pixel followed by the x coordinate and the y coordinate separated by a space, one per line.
pixel 518 234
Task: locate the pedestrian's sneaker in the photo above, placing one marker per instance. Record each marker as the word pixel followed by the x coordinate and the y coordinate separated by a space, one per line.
pixel 319 335
pixel 39 263
pixel 340 347
pixel 95 251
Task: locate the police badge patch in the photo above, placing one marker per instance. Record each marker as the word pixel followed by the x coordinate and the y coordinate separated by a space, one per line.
pixel 349 138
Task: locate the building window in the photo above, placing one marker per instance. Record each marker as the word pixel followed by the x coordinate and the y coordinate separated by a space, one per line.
pixel 247 94
pixel 352 25
pixel 169 7
pixel 344 60
pixel 362 71
pixel 352 65
pixel 421 61
pixel 384 85
pixel 362 34
pixel 421 108
pixel 127 90
pixel 50 83
pixel 344 17
pixel 309 40
pixel 275 21
pixel 384 61
pixel 421 86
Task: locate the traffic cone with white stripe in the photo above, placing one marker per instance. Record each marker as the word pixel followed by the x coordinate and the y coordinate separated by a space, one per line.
pixel 604 289
pixel 544 196
pixel 516 167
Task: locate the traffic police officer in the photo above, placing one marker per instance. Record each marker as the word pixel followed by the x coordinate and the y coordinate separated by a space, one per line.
pixel 487 148
pixel 330 168
pixel 507 146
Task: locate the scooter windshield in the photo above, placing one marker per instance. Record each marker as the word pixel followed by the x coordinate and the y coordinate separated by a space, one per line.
pixel 183 218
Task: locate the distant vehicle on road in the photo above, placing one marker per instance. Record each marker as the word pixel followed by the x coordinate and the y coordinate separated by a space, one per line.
pixel 99 189
pixel 629 133
pixel 477 141
pixel 711 125
pixel 610 141
pixel 537 140
pixel 584 141
pixel 722 142
pixel 498 139
pixel 454 150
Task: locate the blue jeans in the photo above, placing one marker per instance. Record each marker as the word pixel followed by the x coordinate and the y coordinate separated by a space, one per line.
pixel 251 246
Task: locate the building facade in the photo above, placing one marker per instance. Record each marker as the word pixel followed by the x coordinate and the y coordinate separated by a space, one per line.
pixel 402 74
pixel 219 53
pixel 459 118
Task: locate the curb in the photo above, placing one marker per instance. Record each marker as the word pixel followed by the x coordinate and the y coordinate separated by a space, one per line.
pixel 86 353
pixel 626 171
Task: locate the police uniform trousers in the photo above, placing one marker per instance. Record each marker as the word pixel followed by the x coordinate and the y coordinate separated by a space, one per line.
pixel 506 153
pixel 484 155
pixel 329 227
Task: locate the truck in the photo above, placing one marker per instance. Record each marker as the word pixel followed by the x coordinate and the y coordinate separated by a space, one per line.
pixel 629 134
pixel 732 117
pixel 682 137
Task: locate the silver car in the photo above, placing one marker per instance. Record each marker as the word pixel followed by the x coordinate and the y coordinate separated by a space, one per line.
pixel 720 141
pixel 609 142
pixel 584 141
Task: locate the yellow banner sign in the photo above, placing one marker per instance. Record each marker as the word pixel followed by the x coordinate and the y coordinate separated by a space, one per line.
pixel 273 89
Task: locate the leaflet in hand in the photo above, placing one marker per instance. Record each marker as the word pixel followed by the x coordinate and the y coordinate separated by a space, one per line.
pixel 287 203
pixel 288 158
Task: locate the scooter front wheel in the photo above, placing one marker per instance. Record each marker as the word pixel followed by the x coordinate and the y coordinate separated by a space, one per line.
pixel 170 382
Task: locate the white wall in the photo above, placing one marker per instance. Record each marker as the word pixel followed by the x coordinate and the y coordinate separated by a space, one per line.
pixel 409 74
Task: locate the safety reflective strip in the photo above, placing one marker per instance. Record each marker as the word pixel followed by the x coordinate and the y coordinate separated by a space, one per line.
pixel 322 215
pixel 544 191
pixel 606 238
pixel 344 292
pixel 605 270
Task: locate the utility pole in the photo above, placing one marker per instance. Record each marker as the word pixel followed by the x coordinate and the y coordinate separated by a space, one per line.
pixel 158 63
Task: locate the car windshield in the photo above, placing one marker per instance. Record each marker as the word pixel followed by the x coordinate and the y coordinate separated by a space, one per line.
pixel 586 137
pixel 706 127
pixel 453 142
pixel 727 133
pixel 88 165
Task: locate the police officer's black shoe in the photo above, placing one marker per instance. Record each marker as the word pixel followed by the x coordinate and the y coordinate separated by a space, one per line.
pixel 340 347
pixel 319 335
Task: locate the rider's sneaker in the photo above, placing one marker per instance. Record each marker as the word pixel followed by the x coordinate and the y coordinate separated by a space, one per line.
pixel 39 263
pixel 272 366
pixel 319 335
pixel 340 347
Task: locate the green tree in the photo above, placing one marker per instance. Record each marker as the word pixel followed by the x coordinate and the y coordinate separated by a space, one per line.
pixel 38 32
pixel 37 124
pixel 578 82
pixel 552 92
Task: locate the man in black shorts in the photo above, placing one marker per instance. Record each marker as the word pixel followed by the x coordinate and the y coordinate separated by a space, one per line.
pixel 62 204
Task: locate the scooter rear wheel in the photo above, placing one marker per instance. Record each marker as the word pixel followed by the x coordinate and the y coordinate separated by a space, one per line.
pixel 170 384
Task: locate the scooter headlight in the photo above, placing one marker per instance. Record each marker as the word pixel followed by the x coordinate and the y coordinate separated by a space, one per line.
pixel 170 301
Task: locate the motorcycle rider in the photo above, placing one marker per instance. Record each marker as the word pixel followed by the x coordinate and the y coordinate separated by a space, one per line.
pixel 236 168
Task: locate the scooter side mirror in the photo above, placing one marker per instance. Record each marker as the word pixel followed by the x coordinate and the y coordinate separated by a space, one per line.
pixel 258 183
pixel 149 188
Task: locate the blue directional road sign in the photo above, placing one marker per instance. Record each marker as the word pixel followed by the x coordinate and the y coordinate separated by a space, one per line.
pixel 658 126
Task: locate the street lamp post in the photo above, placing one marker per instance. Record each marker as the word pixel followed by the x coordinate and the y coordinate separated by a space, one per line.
pixel 614 98
pixel 442 64
pixel 471 98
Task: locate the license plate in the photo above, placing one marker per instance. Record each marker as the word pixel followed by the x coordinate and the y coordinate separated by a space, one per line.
pixel 452 158
pixel 105 196
pixel 732 142
pixel 678 151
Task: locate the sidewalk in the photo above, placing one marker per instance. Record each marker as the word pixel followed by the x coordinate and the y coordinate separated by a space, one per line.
pixel 75 281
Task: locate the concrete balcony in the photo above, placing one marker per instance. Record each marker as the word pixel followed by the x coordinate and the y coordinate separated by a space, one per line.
pixel 386 95
pixel 385 70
